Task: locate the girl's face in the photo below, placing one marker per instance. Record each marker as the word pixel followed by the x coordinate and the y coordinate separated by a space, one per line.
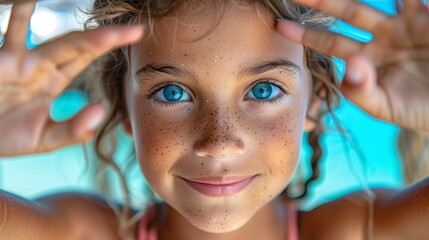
pixel 217 113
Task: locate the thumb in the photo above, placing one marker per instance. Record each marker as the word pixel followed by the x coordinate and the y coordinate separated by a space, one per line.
pixel 361 87
pixel 78 129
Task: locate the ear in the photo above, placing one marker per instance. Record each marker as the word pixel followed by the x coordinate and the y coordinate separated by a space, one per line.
pixel 312 113
pixel 126 125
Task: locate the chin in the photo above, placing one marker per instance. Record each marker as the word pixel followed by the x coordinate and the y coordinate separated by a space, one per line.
pixel 218 225
pixel 217 219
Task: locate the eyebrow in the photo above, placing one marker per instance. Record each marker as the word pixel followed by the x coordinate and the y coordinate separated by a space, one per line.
pixel 285 65
pixel 156 69
pixel 281 64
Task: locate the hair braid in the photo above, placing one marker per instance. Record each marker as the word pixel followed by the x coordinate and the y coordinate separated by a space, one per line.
pixel 314 141
pixel 325 88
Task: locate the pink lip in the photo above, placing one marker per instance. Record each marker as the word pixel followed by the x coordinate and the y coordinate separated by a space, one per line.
pixel 219 186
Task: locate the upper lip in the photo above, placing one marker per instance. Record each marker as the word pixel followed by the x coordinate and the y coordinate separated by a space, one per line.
pixel 219 180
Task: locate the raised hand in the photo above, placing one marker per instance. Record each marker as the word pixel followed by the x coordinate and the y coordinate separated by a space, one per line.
pixel 31 79
pixel 388 77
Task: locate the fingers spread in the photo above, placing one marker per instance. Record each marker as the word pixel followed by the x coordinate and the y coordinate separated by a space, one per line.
pixel 16 36
pixel 324 41
pixel 350 11
pixel 95 42
pixel 78 129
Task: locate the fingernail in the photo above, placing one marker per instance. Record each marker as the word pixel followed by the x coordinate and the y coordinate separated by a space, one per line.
pixel 94 122
pixel 292 30
pixel 354 75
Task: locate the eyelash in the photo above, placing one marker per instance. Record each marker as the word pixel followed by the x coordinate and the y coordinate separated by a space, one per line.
pixel 151 93
pixel 275 101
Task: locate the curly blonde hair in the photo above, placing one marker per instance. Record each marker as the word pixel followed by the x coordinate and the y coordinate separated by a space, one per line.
pixel 109 85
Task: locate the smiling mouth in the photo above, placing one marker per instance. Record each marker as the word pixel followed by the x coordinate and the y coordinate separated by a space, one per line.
pixel 219 186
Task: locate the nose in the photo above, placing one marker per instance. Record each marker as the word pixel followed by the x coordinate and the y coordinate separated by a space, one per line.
pixel 220 138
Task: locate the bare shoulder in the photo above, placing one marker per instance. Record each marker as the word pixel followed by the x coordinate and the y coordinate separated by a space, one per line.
pixel 347 217
pixel 88 216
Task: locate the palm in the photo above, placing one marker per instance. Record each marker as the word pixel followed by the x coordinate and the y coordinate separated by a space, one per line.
pixel 27 90
pixel 398 55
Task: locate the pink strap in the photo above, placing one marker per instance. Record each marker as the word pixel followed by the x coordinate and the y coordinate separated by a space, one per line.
pixel 292 215
pixel 146 233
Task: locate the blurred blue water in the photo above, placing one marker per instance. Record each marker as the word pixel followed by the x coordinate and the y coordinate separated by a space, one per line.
pixel 341 170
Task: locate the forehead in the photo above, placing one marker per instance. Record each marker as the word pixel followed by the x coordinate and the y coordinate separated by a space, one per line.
pixel 233 37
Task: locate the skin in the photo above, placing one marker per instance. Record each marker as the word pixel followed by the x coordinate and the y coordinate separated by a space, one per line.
pixel 28 87
pixel 219 132
pixel 32 79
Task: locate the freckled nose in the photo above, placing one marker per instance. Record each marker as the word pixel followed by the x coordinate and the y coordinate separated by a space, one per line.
pixel 219 138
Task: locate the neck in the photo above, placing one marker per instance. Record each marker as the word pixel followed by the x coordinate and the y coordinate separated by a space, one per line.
pixel 268 223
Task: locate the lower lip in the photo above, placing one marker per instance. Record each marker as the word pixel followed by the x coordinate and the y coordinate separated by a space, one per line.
pixel 219 190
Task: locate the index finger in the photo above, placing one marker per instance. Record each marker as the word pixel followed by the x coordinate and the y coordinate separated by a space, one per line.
pixel 323 41
pixel 16 35
pixel 351 11
pixel 68 48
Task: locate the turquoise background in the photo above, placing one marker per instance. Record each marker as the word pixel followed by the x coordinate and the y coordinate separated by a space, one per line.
pixel 343 168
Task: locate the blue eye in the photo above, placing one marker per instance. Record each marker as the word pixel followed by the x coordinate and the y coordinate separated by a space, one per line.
pixel 264 91
pixel 172 93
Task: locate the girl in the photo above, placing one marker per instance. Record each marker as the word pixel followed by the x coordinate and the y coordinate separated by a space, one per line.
pixel 216 100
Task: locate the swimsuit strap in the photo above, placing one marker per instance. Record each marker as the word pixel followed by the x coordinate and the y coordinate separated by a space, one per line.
pixel 292 217
pixel 147 232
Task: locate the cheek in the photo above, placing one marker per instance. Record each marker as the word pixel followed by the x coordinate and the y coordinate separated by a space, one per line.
pixel 278 144
pixel 160 141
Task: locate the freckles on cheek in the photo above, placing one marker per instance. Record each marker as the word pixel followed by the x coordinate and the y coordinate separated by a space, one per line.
pixel 280 140
pixel 161 141
pixel 285 130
